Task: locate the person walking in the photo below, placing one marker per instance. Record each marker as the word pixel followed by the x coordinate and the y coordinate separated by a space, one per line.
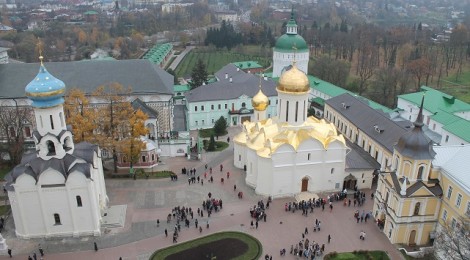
pixel 195 222
pixel 35 257
pixel 329 238
pixel 41 251
pixel 96 246
pixel 166 233
pixel 256 224
pixel 234 187
pixel 9 252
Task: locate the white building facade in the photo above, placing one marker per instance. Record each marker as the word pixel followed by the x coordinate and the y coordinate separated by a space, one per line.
pixel 290 47
pixel 284 156
pixel 58 190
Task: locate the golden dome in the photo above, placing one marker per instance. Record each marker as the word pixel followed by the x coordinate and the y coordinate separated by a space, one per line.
pixel 260 101
pixel 293 81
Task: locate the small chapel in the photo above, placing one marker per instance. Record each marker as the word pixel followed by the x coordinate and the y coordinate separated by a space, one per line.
pixel 59 189
pixel 291 153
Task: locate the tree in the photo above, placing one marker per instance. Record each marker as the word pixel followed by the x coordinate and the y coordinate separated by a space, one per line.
pixel 15 123
pixel 198 75
pixel 419 68
pixel 132 145
pixel 79 115
pixel 211 146
pixel 117 122
pixel 453 239
pixel 333 71
pixel 220 126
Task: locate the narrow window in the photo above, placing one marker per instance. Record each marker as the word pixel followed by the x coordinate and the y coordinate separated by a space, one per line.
pixel 416 211
pixel 296 110
pixel 202 108
pixel 61 116
pixel 143 158
pixel 287 111
pixel 202 122
pixel 308 156
pixel 219 106
pixel 444 215
pixel 153 157
pixel 196 122
pixel 226 106
pixel 212 107
pixel 27 131
pixel 420 173
pixel 239 157
pixel 79 201
pixel 50 148
pixel 304 111
pixel 459 200
pixel 332 170
pixel 449 192
pixel 57 219
pixel 195 108
pixel 243 105
pixel 52 122
pixel 447 138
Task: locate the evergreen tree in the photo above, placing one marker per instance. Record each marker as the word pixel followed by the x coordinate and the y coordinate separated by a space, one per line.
pixel 220 126
pixel 198 75
pixel 211 146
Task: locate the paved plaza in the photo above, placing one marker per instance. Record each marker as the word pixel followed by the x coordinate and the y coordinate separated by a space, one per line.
pixel 149 200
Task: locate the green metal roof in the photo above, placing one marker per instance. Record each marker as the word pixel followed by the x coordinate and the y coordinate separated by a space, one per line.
pixel 247 64
pixel 333 91
pixel 286 42
pixel 444 107
pixel 91 12
pixel 318 100
pixel 460 128
pixel 444 117
pixel 436 100
pixel 181 88
pixel 158 52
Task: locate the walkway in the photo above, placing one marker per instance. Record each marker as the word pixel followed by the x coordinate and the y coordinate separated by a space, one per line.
pixel 149 200
pixel 180 57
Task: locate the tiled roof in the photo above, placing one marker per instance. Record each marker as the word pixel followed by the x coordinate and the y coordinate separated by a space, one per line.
pixel 141 75
pixel 242 84
pixel 368 120
pixel 454 161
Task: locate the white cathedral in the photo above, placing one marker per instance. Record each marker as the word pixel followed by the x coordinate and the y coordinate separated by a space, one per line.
pixel 292 153
pixel 59 189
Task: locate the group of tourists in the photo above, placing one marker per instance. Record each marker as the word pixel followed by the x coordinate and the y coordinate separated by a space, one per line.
pixel 306 249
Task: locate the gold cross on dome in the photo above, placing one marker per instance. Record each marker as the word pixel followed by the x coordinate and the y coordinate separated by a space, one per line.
pixel 40 47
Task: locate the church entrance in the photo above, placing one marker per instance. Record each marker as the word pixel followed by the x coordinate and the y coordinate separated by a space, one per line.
pixel 349 182
pixel 412 242
pixel 304 184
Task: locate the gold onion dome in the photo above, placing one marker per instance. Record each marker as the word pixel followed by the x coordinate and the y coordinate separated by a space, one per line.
pixel 293 81
pixel 260 101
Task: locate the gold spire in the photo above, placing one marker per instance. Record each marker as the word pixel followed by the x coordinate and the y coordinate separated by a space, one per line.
pixel 260 101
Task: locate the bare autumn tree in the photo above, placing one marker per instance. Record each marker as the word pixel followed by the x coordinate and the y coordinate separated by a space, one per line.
pixel 366 64
pixel 15 123
pixel 419 68
pixel 453 240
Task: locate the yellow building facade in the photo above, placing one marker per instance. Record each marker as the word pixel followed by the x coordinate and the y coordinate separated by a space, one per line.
pixel 407 201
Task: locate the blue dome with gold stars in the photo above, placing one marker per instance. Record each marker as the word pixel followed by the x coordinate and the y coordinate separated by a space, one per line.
pixel 45 90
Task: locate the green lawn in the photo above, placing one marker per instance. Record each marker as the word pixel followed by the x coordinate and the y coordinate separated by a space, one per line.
pixel 358 255
pixel 4 209
pixel 458 88
pixel 215 60
pixel 4 169
pixel 254 246
pixel 206 133
pixel 219 146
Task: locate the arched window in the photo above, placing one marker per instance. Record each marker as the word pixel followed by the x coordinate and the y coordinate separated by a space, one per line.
pixel 62 122
pixel 67 143
pixel 52 122
pixel 416 211
pixel 420 173
pixel 50 148
pixel 332 170
pixel 79 201
pixel 243 105
pixel 287 111
pixel 57 219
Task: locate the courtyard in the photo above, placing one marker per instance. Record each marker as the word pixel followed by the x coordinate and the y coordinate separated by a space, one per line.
pixel 152 199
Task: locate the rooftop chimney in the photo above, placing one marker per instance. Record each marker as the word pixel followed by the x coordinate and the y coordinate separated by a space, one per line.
pixel 230 79
pixel 226 75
